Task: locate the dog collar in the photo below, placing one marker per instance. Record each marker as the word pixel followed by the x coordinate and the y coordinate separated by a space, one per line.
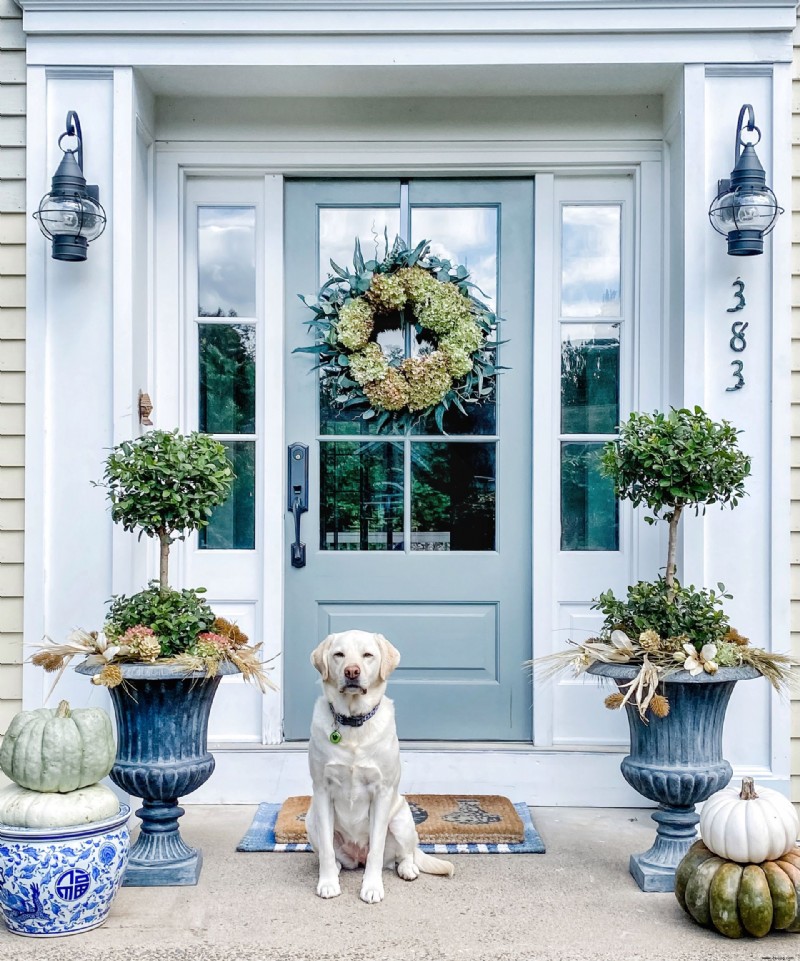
pixel 348 720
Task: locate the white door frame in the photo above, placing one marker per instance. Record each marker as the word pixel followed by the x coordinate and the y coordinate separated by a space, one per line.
pixel 546 765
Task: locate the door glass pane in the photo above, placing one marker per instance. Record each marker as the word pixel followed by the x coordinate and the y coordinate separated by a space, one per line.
pixel 479 419
pixel 233 524
pixel 468 236
pixel 227 378
pixel 339 227
pixel 589 378
pixel 361 496
pixel 589 510
pixel 226 262
pixel 452 497
pixel 462 235
pixel 591 238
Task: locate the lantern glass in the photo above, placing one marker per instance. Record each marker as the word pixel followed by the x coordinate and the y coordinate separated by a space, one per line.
pixel 754 208
pixel 70 216
pixel 94 219
pixel 746 208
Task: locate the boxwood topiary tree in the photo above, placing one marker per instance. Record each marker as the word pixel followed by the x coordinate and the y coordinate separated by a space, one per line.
pixel 167 484
pixel 673 461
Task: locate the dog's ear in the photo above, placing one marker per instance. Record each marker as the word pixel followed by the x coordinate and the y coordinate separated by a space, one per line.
pixel 390 656
pixel 319 656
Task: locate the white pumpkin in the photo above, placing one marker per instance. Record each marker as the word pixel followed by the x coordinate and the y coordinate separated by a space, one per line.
pixel 22 808
pixel 749 827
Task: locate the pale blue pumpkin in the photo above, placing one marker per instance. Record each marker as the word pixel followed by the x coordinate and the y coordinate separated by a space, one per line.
pixel 58 750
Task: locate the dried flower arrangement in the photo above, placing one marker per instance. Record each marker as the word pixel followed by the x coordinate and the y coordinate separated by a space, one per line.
pixel 166 484
pixel 670 462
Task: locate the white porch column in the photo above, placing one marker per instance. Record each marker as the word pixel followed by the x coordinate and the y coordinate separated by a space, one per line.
pixel 743 548
pixel 73 309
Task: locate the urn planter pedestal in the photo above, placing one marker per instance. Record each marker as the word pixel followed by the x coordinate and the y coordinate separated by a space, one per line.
pixel 162 754
pixel 676 760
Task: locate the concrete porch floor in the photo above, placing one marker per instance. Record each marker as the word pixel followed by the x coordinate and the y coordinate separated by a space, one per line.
pixel 575 902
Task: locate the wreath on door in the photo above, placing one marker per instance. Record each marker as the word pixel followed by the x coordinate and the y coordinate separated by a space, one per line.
pixel 455 361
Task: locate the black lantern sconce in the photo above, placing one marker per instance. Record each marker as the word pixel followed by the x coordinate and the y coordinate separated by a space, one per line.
pixel 745 209
pixel 70 215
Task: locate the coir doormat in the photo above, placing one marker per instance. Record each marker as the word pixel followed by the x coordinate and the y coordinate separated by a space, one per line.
pixel 446 824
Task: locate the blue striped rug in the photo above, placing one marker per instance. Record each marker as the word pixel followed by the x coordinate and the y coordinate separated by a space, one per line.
pixel 261 837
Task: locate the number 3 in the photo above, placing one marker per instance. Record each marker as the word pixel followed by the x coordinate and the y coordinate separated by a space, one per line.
pixel 738 364
pixel 739 295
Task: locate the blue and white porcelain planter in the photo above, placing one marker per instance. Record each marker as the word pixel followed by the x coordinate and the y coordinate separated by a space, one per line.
pixel 57 881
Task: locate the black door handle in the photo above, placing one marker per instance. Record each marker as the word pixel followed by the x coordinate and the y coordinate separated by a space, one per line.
pixel 298 497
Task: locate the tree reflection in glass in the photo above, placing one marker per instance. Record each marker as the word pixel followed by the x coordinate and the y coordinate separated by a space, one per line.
pixel 361 496
pixel 452 497
pixel 589 510
pixel 227 397
pixel 589 378
pixel 232 525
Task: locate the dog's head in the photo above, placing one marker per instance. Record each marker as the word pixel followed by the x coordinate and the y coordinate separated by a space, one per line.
pixel 355 662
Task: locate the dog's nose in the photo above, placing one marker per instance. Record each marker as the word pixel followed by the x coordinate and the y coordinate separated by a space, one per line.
pixel 352 671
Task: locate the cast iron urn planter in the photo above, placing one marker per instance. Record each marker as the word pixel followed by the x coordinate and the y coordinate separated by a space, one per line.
pixel 676 760
pixel 162 754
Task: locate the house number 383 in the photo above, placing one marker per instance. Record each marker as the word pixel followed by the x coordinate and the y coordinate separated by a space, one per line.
pixel 738 343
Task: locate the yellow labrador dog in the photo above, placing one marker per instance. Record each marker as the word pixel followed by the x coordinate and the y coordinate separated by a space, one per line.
pixel 357 815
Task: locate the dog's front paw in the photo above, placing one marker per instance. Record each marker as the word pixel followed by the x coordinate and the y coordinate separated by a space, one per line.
pixel 407 870
pixel 328 889
pixel 372 892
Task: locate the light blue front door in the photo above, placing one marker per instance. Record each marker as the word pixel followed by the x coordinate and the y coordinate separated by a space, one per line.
pixel 425 538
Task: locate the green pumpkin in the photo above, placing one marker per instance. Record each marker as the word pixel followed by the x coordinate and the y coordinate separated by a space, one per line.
pixel 58 750
pixel 737 899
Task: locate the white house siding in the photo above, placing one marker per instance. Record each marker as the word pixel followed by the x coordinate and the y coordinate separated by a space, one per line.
pixel 12 354
pixel 796 405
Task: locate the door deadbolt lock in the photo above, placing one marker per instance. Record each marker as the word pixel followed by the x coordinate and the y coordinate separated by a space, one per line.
pixel 297 489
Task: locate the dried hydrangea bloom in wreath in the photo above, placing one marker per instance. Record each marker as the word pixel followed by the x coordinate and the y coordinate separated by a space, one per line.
pixel 456 365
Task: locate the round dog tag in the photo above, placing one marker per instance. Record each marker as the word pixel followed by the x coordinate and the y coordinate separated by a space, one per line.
pixel 335 737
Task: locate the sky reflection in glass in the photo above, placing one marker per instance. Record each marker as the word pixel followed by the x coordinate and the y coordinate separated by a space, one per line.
pixel 590 260
pixel 226 261
pixel 462 235
pixel 339 227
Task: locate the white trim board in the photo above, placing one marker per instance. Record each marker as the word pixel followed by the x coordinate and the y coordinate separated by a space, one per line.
pixel 116 48
pixel 583 17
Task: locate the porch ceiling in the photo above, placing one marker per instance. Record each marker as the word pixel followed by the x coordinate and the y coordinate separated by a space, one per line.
pixel 499 80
